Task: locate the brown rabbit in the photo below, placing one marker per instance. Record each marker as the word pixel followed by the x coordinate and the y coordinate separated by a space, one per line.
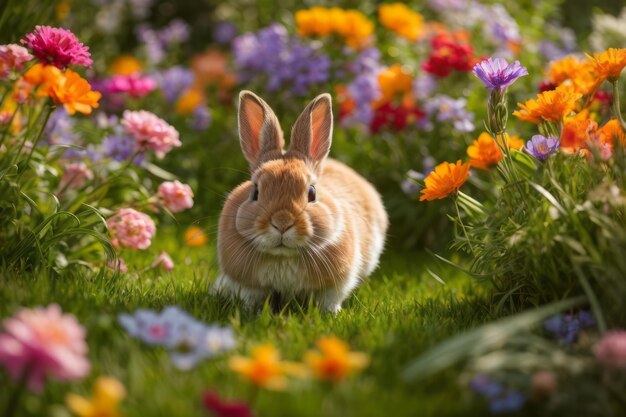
pixel 303 224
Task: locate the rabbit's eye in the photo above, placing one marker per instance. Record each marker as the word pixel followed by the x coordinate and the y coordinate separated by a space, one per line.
pixel 255 193
pixel 312 195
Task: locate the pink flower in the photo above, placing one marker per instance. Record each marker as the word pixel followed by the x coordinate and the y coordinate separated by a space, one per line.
pixel 176 196
pixel 75 175
pixel 58 47
pixel 12 58
pixel 611 349
pixel 131 229
pixel 164 261
pixel 45 343
pixel 120 265
pixel 134 85
pixel 150 132
pixel 5 117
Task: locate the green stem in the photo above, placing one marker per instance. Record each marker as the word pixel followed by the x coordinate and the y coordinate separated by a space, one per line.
pixel 13 402
pixel 616 104
pixel 593 300
pixel 39 136
pixel 8 126
pixel 458 214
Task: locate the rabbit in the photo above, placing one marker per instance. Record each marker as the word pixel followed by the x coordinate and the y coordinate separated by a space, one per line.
pixel 303 224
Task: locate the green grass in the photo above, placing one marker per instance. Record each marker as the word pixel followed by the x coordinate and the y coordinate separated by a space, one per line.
pixel 399 313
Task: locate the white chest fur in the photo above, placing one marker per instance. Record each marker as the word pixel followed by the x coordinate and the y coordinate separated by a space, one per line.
pixel 282 273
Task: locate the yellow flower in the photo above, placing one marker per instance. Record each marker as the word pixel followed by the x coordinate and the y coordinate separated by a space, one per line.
pixel 125 65
pixel 316 21
pixel 71 90
pixel 353 25
pixel 485 153
pixel 334 361
pixel 445 180
pixel 551 106
pixel 188 101
pixel 610 63
pixel 194 236
pixel 402 20
pixel 265 368
pixel 356 28
pixel 393 81
pixel 107 394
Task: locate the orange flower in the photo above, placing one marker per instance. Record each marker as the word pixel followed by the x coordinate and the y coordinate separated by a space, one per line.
pixel 551 106
pixel 393 80
pixel 194 236
pixel 485 153
pixel 334 361
pixel 71 90
pixel 610 63
pixel 353 25
pixel 265 368
pixel 107 394
pixel 125 65
pixel 577 132
pixel 445 180
pixel 356 28
pixel 316 21
pixel 39 74
pixel 580 74
pixel 188 101
pixel 610 131
pixel 402 20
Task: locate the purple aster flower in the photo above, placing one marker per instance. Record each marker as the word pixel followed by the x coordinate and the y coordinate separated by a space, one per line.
pixel 201 118
pixel 177 31
pixel 174 81
pixel 423 86
pixel 224 32
pixel 499 25
pixel 567 327
pixel 447 109
pixel 541 147
pixel 120 148
pixel 496 73
pixel 140 8
pixel 153 45
pixel 509 401
pixel 367 60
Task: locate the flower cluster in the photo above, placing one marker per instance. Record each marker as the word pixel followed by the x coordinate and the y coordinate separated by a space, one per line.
pixel 352 25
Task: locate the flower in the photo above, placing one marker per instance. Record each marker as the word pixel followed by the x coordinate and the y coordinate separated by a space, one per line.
pixel 265 368
pixel 449 53
pixel 445 180
pixel 75 175
pixel 551 106
pixel 189 101
pixel 134 85
pixel 194 236
pixel 611 349
pixel 131 229
pixel 610 132
pixel 540 146
pixel 107 394
pixel 224 32
pixel 174 81
pixel 58 47
pixel 120 148
pixel 610 63
pixel 498 74
pixel 447 108
pixel 581 74
pixel 201 118
pixel 73 91
pixel 12 58
pixel 150 132
pixel 175 195
pixel 567 327
pixel 484 152
pixel 125 65
pixel 43 342
pixel 393 81
pixel 352 25
pixel 222 408
pixel 501 399
pixel 164 261
pixel 120 265
pixel 544 383
pixel 334 361
pixel 577 132
pixel 402 20
pixel 395 116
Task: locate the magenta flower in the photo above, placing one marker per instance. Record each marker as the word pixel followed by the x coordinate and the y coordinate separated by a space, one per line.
pixel 12 58
pixel 164 261
pixel 175 195
pixel 219 407
pixel 75 175
pixel 131 229
pixel 58 47
pixel 611 349
pixel 150 132
pixel 43 342
pixel 498 74
pixel 134 85
pixel 541 147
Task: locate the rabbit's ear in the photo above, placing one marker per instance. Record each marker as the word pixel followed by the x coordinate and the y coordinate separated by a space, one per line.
pixel 312 133
pixel 259 132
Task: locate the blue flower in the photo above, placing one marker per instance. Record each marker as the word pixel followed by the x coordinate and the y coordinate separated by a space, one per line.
pixel 541 147
pixel 567 327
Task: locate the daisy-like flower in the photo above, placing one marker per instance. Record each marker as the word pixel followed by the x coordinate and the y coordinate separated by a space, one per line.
pixel 334 361
pixel 175 195
pixel 131 229
pixel 40 343
pixel 70 90
pixel 484 152
pixel 58 47
pixel 610 63
pixel 445 180
pixel 581 74
pixel 107 394
pixel 551 106
pixel 541 147
pixel 12 58
pixel 265 368
pixel 402 20
pixel 498 74
pixel 393 81
pixel 151 132
pixel 75 175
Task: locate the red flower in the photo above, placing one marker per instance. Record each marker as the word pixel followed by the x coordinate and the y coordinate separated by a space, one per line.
pixel 547 86
pixel 395 116
pixel 221 408
pixel 449 53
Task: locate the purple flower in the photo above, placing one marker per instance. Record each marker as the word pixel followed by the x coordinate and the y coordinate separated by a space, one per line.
pixel 177 31
pixel 140 8
pixel 496 73
pixel 423 86
pixel 224 32
pixel 201 118
pixel 541 147
pixel 501 399
pixel 447 109
pixel 174 81
pixel 367 60
pixel 120 148
pixel 566 327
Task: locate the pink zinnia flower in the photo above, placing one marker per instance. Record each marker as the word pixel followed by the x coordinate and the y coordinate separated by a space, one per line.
pixel 131 229
pixel 120 265
pixel 164 261
pixel 44 342
pixel 150 132
pixel 58 47
pixel 75 175
pixel 611 349
pixel 176 196
pixel 134 85
pixel 12 58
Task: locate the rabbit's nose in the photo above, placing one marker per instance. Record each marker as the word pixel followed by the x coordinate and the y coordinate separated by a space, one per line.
pixel 282 221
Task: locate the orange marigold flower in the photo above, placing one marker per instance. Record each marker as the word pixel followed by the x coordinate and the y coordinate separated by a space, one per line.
pixel 577 132
pixel 445 180
pixel 71 90
pixel 194 236
pixel 393 81
pixel 610 63
pixel 402 20
pixel 39 74
pixel 316 21
pixel 265 368
pixel 353 25
pixel 125 65
pixel 356 28
pixel 611 131
pixel 580 74
pixel 334 361
pixel 485 153
pixel 551 106
pixel 188 101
